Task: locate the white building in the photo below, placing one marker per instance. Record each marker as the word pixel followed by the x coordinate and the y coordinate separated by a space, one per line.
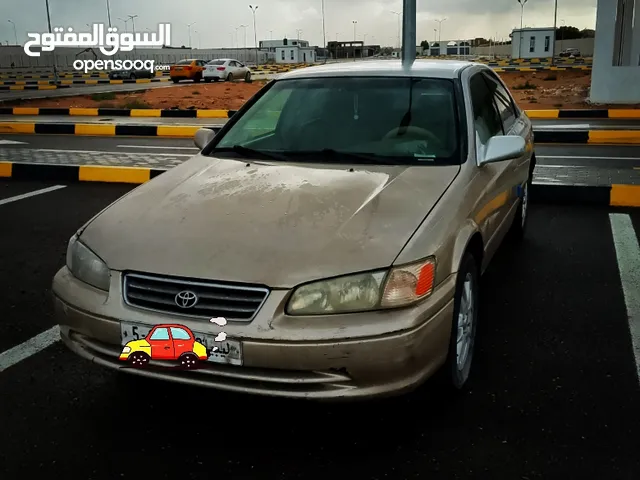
pixel 295 54
pixel 271 45
pixel 532 43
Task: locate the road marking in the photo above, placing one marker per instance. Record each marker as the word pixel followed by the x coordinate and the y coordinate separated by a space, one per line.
pixel 161 148
pixel 28 348
pixel 103 152
pixel 31 194
pixel 12 142
pixel 587 158
pixel 628 254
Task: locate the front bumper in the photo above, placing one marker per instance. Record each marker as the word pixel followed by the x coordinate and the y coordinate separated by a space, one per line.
pixel 334 357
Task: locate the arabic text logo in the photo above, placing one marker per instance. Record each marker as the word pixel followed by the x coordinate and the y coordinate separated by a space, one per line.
pixel 125 42
pixel 186 299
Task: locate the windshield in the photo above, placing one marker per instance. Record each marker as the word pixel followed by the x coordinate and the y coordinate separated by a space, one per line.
pixel 411 120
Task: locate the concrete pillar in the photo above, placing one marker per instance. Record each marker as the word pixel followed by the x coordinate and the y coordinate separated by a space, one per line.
pixel 609 83
pixel 635 36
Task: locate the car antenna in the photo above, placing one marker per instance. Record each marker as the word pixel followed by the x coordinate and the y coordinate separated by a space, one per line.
pixel 408 52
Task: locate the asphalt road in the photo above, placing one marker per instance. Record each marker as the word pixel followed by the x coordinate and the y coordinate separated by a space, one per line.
pixel 554 392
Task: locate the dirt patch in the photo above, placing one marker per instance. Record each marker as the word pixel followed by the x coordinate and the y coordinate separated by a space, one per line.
pixel 201 96
pixel 567 89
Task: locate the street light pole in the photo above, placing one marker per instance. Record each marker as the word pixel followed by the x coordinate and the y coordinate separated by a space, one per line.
pixel 355 22
pixel 53 55
pixel 125 23
pixel 15 33
pixel 555 30
pixel 324 33
pixel 255 32
pixel 133 27
pixel 109 13
pixel 521 2
pixel 189 27
pixel 399 25
pixel 440 29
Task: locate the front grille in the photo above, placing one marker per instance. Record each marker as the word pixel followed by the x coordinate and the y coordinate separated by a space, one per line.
pixel 213 299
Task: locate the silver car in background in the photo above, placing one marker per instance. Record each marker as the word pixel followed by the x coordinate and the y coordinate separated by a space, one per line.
pixel 226 69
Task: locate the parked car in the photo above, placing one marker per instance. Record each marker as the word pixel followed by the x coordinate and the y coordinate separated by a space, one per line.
pixel 131 74
pixel 570 52
pixel 189 69
pixel 340 222
pixel 226 69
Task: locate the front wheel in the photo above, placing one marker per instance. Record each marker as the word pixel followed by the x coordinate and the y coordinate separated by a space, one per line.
pixel 139 359
pixel 189 360
pixel 465 319
pixel 247 77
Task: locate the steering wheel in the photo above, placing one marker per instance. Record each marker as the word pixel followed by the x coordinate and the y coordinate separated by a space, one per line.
pixel 414 132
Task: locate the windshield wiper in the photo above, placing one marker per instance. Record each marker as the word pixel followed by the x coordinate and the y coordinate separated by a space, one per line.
pixel 331 155
pixel 250 152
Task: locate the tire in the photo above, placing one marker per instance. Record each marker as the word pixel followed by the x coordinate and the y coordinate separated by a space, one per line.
pixel 197 78
pixel 464 323
pixel 189 361
pixel 520 220
pixel 247 77
pixel 139 359
pixel 230 77
pixel 207 80
pixel 175 80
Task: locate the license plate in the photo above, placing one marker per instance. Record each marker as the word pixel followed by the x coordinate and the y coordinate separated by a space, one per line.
pixel 229 352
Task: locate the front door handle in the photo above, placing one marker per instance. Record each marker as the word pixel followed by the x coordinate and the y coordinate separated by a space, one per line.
pixel 167 348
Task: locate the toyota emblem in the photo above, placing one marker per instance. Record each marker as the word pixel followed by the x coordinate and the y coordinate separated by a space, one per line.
pixel 186 299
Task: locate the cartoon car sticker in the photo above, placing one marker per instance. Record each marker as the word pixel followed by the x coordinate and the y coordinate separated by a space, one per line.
pixel 170 342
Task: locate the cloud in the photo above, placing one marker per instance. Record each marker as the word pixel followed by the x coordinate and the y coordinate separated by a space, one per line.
pixel 217 21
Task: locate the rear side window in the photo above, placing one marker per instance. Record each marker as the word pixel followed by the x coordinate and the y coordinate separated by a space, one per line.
pixel 504 103
pixel 486 120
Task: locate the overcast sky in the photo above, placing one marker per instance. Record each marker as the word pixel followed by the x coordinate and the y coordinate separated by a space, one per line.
pixel 217 20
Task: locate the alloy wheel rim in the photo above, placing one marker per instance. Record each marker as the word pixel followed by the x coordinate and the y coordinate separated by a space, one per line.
pixel 465 323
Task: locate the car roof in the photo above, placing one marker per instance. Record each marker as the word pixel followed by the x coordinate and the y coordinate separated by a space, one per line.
pixel 448 69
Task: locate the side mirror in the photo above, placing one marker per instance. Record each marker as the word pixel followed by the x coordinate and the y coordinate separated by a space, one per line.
pixel 505 147
pixel 203 137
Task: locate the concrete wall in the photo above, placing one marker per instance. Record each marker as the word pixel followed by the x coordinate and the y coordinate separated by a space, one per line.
pixel 609 84
pixel 66 56
pixel 585 45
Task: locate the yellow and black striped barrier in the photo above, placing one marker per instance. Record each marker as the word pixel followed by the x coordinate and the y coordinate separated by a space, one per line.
pixel 618 113
pixel 84 82
pixel 118 112
pixel 32 87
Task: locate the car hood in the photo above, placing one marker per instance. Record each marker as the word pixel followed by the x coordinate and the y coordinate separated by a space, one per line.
pixel 272 224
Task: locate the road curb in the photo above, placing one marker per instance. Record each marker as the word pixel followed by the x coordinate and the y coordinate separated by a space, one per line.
pixel 97 81
pixel 614 195
pixel 620 114
pixel 593 137
pixel 119 112
pixel 32 87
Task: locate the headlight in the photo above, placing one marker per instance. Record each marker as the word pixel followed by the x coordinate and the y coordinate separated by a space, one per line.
pixel 86 266
pixel 126 349
pixel 397 287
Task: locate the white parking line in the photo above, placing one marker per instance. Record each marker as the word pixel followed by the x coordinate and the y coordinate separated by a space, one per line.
pixel 625 240
pixel 31 194
pixel 583 157
pixel 28 348
pixel 160 148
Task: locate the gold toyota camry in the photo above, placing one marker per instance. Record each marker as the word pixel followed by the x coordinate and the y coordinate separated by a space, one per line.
pixel 340 223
